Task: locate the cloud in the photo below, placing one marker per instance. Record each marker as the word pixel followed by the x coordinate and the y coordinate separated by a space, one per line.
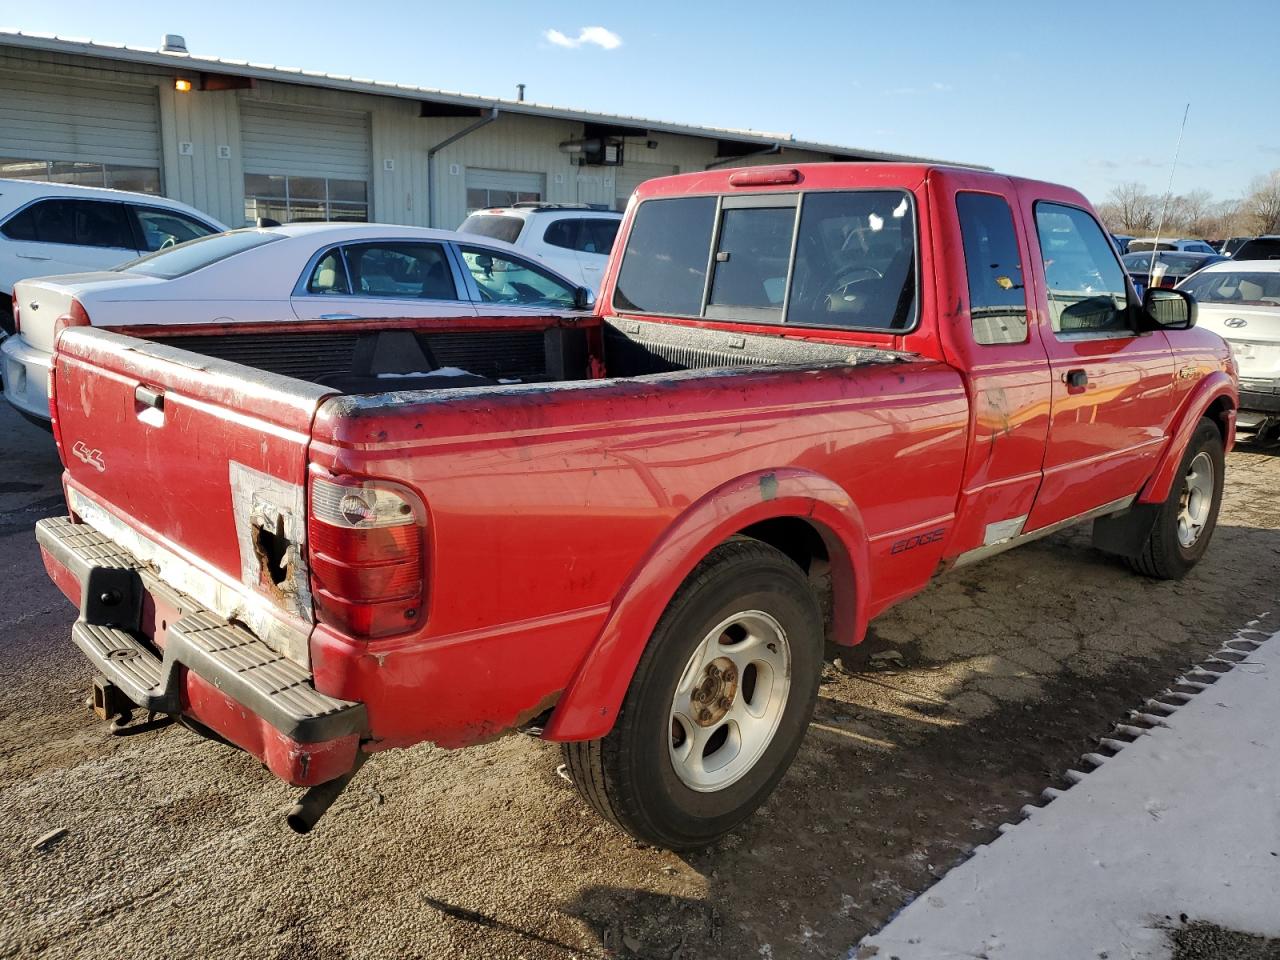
pixel 598 36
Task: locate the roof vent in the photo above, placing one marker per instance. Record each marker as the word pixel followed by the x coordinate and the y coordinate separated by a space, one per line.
pixel 173 43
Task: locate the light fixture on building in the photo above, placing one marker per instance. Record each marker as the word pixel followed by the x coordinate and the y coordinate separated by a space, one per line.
pixel 182 85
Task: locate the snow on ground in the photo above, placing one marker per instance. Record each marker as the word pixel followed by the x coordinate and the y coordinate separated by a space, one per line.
pixel 1185 820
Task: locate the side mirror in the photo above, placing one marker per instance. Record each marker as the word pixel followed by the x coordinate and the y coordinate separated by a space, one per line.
pixel 1169 309
pixel 583 299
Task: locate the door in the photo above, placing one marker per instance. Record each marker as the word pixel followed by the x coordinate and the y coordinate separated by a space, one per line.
pixel 391 278
pixel 1112 385
pixel 997 343
pixel 69 236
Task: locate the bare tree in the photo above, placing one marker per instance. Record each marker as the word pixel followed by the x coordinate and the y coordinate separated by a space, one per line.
pixel 1133 209
pixel 1262 205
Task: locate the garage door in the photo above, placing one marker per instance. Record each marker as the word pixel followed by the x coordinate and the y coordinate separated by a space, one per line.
pixel 304 164
pixel 74 132
pixel 630 175
pixel 501 188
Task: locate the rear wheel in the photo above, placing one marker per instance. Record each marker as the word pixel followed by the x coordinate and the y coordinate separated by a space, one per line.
pixel 718 705
pixel 1186 521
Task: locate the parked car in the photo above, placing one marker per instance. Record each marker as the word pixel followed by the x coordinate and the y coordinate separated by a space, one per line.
pixel 805 391
pixel 317 271
pixel 1241 302
pixel 1232 244
pixel 1185 246
pixel 1259 248
pixel 570 237
pixel 1122 241
pixel 48 228
pixel 1163 268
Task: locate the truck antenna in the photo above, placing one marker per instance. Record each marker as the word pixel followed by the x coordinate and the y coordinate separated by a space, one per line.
pixel 1168 193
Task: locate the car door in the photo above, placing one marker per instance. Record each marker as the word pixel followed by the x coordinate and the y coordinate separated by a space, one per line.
pixel 61 235
pixel 558 246
pixel 502 283
pixel 1112 385
pixel 382 278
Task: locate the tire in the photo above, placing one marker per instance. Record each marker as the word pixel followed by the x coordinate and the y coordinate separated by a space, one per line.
pixel 652 775
pixel 1167 554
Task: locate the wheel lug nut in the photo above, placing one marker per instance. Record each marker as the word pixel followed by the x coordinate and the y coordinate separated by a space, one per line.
pixel 704 715
pixel 726 703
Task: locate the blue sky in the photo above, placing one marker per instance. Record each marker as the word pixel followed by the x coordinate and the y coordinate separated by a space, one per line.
pixel 1086 93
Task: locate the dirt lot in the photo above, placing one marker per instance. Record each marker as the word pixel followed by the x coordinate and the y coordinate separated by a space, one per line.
pixel 176 847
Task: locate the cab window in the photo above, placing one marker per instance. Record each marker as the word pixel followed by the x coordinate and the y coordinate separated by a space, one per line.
pixel 997 296
pixel 1086 284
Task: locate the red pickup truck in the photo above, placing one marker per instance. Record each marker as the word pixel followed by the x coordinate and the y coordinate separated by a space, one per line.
pixel 805 392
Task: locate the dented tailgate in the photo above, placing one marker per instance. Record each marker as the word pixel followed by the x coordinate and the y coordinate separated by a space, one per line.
pixel 198 466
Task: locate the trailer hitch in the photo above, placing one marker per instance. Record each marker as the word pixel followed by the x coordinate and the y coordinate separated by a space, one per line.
pixel 311 806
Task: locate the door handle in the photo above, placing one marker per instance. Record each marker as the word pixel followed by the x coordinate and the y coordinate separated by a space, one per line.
pixel 147 397
pixel 338 316
pixel 1076 379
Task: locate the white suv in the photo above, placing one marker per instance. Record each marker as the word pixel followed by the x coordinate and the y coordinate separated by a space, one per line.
pixel 51 228
pixel 571 238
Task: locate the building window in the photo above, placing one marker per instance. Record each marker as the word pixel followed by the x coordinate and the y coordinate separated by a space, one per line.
pixel 114 175
pixel 483 198
pixel 299 199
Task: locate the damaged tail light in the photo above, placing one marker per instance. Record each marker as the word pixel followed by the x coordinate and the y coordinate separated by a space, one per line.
pixel 368 555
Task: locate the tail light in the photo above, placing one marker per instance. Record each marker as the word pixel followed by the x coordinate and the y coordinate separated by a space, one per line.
pixel 368 556
pixel 17 318
pixel 76 316
pixel 1168 281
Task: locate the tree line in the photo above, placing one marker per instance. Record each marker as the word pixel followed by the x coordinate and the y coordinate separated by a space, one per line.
pixel 1130 208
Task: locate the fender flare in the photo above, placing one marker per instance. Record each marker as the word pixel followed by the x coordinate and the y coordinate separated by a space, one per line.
pixel 590 704
pixel 1211 389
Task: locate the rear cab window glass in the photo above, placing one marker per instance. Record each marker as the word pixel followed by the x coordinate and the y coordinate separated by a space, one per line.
pixel 855 261
pixel 997 295
pixel 1086 284
pixel 494 226
pixel 752 254
pixel 402 270
pixel 664 268
pixel 196 254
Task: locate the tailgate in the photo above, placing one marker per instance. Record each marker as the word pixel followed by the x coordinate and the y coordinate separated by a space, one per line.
pixel 198 466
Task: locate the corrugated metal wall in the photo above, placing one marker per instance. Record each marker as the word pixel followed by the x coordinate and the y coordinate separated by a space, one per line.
pixel 398 140
pixel 278 138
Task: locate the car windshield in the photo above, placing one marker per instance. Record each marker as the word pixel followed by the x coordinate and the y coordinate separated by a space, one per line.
pixel 1256 288
pixel 1173 263
pixel 492 225
pixel 189 257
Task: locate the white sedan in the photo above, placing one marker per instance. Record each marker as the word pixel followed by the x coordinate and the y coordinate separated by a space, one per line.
pixel 1240 301
pixel 324 271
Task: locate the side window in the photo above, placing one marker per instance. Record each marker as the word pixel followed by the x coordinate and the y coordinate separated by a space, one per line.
pixel 503 279
pixel 329 275
pixel 563 233
pixel 997 296
pixel 751 260
pixel 664 268
pixel 598 235
pixel 161 228
pixel 1086 284
pixel 403 270
pixel 86 223
pixel 855 261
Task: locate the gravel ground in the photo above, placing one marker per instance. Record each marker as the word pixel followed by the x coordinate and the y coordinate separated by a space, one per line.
pixel 175 846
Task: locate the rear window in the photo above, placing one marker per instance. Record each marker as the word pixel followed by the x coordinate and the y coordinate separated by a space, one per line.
pixel 1259 248
pixel 847 260
pixel 1256 288
pixel 1149 245
pixel 1173 263
pixel 495 226
pixel 191 256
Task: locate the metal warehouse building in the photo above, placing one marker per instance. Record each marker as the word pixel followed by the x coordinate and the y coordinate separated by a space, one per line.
pixel 240 140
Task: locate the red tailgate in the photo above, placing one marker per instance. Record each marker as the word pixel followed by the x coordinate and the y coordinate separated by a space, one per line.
pixel 204 460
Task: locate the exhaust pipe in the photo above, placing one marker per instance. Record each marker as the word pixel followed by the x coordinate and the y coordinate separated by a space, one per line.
pixel 311 806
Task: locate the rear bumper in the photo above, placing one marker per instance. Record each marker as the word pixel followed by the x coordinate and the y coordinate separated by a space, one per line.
pixel 208 669
pixel 1260 396
pixel 26 376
